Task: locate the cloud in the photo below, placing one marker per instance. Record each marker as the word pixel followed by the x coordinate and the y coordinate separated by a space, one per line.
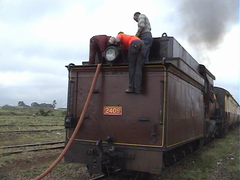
pixel 225 63
pixel 32 87
pixel 38 38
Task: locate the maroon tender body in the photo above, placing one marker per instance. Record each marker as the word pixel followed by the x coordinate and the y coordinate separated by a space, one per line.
pixel 142 132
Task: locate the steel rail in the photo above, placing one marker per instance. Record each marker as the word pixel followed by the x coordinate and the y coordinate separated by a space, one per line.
pixel 4 125
pixel 40 149
pixel 30 131
pixel 34 144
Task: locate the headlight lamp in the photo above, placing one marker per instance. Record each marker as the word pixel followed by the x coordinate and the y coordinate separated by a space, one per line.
pixel 111 53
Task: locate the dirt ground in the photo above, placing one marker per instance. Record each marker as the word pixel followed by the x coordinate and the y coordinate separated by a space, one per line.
pixel 24 167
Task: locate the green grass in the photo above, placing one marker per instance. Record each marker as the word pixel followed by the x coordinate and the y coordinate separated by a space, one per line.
pixel 27 119
pixel 222 153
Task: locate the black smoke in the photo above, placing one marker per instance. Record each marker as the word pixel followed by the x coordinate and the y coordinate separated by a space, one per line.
pixel 205 22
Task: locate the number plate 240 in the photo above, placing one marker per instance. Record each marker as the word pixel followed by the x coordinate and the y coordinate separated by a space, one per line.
pixel 112 110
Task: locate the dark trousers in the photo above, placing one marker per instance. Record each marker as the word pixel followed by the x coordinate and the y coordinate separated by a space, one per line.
pixel 136 61
pixel 147 40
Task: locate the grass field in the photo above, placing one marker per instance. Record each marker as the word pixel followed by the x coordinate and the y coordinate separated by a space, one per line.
pixel 219 160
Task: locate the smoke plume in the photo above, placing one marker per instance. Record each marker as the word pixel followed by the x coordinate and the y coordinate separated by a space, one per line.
pixel 205 22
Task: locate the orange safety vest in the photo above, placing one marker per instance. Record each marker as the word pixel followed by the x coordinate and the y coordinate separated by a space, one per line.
pixel 126 40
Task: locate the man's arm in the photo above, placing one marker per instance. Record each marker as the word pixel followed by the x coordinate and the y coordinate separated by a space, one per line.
pixel 141 25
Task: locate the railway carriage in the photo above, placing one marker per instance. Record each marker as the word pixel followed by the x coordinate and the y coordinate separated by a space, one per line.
pixel 229 109
pixel 174 115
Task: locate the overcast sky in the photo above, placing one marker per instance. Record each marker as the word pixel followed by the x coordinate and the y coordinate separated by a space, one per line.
pixel 39 37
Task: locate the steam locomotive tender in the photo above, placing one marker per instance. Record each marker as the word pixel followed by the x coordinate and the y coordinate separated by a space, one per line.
pixel 178 111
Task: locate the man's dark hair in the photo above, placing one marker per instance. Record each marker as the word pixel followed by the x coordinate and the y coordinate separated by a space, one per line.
pixel 136 13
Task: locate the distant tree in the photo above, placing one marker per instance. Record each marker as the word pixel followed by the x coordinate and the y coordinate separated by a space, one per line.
pixel 21 103
pixel 35 105
pixel 46 106
pixel 54 104
pixel 8 107
pixel 43 105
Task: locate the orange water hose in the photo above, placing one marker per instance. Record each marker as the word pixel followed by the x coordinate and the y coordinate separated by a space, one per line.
pixel 77 127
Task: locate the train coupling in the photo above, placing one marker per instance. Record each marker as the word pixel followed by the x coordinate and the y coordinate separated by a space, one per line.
pixel 104 158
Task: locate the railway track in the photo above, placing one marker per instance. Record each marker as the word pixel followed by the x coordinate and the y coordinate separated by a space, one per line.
pixel 34 125
pixel 32 131
pixel 16 149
